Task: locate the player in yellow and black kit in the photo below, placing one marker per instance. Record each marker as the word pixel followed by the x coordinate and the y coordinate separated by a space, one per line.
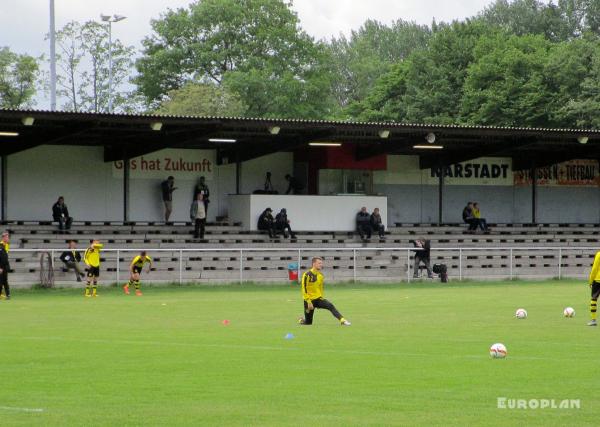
pixel 92 260
pixel 4 265
pixel 135 270
pixel 595 286
pixel 312 293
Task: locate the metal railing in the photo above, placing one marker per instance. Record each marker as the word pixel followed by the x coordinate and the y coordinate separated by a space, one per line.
pixel 403 255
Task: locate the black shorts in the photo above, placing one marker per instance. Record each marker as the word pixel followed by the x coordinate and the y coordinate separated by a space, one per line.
pixel 137 270
pixel 93 272
pixel 595 290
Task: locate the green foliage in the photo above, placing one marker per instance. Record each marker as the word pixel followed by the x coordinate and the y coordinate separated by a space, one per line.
pixel 428 85
pixel 505 83
pixel 369 53
pixel 18 78
pixel 258 42
pixel 520 63
pixel 201 99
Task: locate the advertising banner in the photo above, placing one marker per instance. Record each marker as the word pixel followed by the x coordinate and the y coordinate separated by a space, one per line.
pixel 180 163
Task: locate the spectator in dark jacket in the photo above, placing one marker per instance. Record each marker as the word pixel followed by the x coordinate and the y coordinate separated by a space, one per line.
pixel 377 223
pixel 422 255
pixel 266 222
pixel 294 185
pixel 71 259
pixel 60 214
pixel 469 218
pixel 363 223
pixel 282 223
pixel 167 187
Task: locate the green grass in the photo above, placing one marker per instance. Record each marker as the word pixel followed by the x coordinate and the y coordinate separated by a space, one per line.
pixel 415 355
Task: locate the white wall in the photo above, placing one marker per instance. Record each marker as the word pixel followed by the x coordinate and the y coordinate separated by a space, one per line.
pixel 306 213
pixel 36 177
pixel 93 192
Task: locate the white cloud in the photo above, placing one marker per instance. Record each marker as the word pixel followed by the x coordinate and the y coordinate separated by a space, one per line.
pixel 24 23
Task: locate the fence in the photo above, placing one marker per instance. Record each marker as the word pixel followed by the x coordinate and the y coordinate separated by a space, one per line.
pixel 341 264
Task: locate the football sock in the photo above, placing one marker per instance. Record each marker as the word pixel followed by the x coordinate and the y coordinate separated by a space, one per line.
pixel 593 307
pixel 137 285
pixel 342 320
pixel 130 282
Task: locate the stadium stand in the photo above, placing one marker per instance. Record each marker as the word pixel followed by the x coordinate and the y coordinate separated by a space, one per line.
pixel 228 248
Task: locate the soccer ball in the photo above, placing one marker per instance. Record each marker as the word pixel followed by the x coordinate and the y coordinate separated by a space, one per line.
pixel 521 313
pixel 498 351
pixel 569 312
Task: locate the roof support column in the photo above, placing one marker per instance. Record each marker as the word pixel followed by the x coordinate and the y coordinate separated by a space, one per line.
pixel 533 192
pixel 4 185
pixel 126 188
pixel 238 173
pixel 441 195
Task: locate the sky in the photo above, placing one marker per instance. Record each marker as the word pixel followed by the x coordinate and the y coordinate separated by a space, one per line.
pixel 24 23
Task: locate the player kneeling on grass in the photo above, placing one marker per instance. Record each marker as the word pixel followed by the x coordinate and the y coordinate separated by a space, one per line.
pixel 92 260
pixel 595 287
pixel 135 270
pixel 312 293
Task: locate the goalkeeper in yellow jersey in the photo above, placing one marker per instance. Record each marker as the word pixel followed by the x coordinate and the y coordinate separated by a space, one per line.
pixel 312 293
pixel 92 260
pixel 135 270
pixel 595 287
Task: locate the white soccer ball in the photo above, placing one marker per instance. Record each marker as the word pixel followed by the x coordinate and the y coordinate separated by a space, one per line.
pixel 498 351
pixel 569 312
pixel 521 313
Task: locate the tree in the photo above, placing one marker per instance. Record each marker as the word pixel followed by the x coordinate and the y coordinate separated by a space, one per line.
pixel 83 75
pixel 565 20
pixel 18 76
pixel 369 53
pixel 506 84
pixel 573 75
pixel 428 86
pixel 202 99
pixel 259 42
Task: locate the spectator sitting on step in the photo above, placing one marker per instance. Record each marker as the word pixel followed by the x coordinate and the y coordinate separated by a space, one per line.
pixel 266 222
pixel 422 255
pixel 71 259
pixel 467 215
pixel 60 214
pixel 377 223
pixel 363 223
pixel 481 222
pixel 282 223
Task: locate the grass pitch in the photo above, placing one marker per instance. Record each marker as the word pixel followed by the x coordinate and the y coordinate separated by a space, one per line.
pixel 415 355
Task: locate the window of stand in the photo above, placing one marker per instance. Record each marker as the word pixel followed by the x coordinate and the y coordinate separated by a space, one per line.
pixel 345 181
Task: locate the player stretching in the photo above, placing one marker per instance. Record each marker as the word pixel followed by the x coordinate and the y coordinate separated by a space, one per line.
pixel 135 270
pixel 595 286
pixel 92 260
pixel 312 293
